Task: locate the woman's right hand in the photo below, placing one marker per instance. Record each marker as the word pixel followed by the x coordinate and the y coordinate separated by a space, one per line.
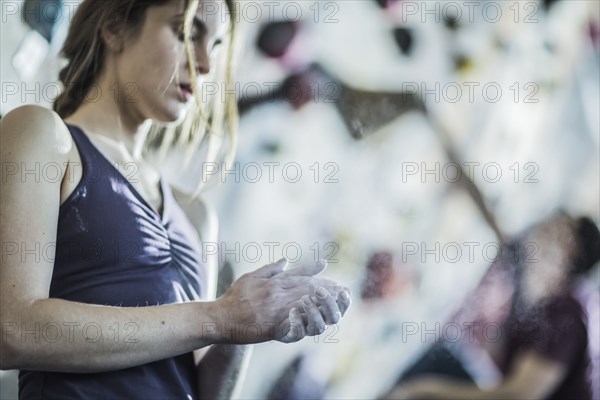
pixel 273 303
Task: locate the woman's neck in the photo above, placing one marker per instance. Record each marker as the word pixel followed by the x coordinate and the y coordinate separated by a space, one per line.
pixel 105 116
pixel 95 122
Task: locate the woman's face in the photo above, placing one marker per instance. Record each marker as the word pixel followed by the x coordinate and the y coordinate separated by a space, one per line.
pixel 152 70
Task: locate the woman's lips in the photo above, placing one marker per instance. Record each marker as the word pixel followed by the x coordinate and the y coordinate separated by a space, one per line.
pixel 186 91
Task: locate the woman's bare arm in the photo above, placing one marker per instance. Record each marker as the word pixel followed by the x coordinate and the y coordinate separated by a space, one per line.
pixel 221 372
pixel 53 334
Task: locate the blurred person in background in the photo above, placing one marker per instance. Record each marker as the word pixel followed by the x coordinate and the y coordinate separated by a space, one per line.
pixel 128 260
pixel 471 356
pixel 544 337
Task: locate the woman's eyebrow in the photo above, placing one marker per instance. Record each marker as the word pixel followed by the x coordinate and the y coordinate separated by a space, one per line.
pixel 198 23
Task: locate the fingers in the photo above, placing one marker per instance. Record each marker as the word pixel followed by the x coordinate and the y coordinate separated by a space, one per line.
pixel 332 307
pixel 316 324
pixel 289 282
pixel 337 300
pixel 308 270
pixel 341 294
pixel 344 301
pixel 297 329
pixel 303 272
pixel 320 310
pixel 270 270
pixel 329 308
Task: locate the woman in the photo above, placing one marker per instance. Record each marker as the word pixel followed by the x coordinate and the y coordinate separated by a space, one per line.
pixel 117 303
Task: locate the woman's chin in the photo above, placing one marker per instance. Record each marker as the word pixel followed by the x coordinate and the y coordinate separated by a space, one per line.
pixel 172 114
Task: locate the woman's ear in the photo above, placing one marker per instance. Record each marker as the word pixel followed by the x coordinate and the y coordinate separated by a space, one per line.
pixel 112 39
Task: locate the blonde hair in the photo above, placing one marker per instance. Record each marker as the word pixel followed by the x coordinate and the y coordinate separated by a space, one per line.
pixel 85 52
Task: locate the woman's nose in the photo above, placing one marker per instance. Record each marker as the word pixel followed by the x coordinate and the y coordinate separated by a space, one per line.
pixel 202 60
pixel 202 63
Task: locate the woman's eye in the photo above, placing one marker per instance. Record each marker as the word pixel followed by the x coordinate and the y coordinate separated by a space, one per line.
pixel 216 46
pixel 193 36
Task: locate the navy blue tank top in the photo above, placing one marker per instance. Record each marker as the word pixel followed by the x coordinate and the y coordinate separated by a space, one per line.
pixel 113 248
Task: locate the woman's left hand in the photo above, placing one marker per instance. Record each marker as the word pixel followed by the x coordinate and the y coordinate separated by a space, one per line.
pixel 322 309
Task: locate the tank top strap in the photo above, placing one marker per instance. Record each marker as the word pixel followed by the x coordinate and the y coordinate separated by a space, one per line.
pixel 87 151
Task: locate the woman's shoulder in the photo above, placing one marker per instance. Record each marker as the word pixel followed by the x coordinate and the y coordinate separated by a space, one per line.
pixel 36 131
